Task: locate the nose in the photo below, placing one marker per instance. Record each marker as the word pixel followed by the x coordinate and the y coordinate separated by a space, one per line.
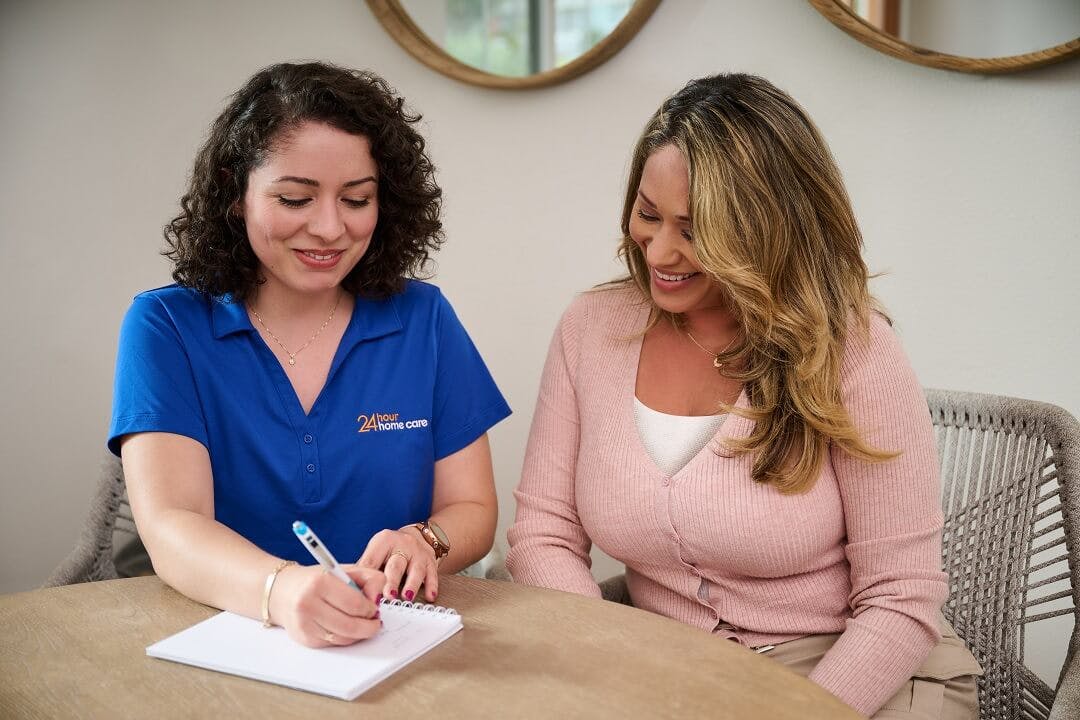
pixel 325 221
pixel 664 247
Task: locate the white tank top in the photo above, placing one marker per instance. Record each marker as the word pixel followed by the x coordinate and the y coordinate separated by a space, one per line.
pixel 673 440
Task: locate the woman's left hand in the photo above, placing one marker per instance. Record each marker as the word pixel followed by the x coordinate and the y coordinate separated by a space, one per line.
pixel 407 560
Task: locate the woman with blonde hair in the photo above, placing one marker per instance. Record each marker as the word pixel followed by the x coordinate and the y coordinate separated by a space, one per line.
pixel 738 424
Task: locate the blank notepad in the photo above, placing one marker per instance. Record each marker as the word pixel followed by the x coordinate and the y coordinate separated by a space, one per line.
pixel 238 645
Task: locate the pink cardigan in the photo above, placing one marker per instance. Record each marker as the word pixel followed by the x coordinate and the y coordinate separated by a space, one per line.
pixel 860 553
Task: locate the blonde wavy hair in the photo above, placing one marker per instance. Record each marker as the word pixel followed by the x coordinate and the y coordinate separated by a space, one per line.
pixel 773 226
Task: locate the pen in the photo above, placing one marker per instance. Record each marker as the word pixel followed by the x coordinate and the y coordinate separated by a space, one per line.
pixel 320 552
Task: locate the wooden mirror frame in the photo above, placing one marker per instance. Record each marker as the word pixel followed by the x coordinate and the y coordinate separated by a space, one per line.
pixel 407 34
pixel 842 17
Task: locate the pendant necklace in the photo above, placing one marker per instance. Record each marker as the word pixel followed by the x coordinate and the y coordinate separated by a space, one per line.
pixel 292 355
pixel 717 363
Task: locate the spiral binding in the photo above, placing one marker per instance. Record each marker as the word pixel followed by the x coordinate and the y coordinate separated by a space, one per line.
pixel 422 607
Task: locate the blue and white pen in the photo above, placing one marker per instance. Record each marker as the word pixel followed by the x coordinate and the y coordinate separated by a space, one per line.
pixel 320 552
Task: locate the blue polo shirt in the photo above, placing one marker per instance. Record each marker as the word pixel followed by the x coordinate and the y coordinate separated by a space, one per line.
pixel 406 388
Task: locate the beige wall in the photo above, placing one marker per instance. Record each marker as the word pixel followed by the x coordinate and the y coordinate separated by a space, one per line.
pixel 966 187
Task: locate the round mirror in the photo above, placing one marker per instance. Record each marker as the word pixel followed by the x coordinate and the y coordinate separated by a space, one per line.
pixel 512 43
pixel 981 36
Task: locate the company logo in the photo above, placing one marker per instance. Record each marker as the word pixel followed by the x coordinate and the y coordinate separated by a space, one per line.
pixel 375 422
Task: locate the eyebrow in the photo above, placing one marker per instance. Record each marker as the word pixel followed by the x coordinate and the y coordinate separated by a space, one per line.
pixel 651 204
pixel 315 183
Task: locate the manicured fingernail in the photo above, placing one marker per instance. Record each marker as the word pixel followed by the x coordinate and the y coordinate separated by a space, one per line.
pixel 393 593
pixel 434 595
pixel 409 594
pixel 378 598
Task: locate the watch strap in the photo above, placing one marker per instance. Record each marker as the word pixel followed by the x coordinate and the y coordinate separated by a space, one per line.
pixel 440 548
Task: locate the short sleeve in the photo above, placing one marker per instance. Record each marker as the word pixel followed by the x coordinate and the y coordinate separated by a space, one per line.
pixel 467 403
pixel 154 388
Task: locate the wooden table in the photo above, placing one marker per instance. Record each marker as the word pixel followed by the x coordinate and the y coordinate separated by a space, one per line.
pixel 79 651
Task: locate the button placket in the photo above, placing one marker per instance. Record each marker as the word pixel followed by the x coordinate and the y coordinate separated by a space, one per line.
pixel 702 596
pixel 310 475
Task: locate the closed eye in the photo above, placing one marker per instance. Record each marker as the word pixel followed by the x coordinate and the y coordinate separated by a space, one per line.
pixel 652 219
pixel 301 202
pixel 293 202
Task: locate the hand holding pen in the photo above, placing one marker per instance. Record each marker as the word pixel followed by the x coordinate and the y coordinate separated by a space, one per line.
pixel 326 604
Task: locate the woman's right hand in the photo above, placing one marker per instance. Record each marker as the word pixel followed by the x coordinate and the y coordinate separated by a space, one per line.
pixel 318 610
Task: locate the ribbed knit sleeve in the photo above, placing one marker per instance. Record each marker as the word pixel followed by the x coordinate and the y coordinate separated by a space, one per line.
pixel 548 546
pixel 893 518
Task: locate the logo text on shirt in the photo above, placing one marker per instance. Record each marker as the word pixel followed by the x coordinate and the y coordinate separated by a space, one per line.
pixel 388 421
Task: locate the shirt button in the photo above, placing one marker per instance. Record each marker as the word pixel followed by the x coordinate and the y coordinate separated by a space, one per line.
pixel 308 439
pixel 310 468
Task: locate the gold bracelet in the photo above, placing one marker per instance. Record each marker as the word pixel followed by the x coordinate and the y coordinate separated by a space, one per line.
pixel 270 586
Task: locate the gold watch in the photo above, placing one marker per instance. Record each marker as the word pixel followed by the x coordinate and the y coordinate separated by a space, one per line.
pixel 435 537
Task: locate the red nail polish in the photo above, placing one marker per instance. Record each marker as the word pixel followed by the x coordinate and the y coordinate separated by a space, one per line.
pixel 378 599
pixel 393 593
pixel 408 594
pixel 434 595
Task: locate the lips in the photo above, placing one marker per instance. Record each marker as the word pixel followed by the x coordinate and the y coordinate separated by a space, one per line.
pixel 319 259
pixel 673 277
pixel 672 282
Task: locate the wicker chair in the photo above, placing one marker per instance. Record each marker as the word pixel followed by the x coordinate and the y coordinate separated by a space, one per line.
pixel 1010 473
pixel 109 546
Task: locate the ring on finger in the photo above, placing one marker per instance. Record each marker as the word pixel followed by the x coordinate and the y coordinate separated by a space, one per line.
pixel 402 553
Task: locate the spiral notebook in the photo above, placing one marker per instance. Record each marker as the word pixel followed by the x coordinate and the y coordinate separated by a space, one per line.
pixel 238 645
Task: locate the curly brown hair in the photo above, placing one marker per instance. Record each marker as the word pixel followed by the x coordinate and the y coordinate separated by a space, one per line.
pixel 207 241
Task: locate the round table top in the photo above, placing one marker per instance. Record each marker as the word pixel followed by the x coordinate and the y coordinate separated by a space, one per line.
pixel 524 653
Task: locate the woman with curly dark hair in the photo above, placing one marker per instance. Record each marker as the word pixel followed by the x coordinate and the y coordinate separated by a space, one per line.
pixel 299 371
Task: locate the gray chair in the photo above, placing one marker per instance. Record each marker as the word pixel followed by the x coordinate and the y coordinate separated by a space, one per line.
pixel 109 546
pixel 1010 472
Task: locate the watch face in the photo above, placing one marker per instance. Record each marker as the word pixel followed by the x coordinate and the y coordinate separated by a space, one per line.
pixel 439 534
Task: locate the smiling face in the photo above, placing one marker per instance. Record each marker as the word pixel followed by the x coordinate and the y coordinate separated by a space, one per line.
pixel 310 209
pixel 660 225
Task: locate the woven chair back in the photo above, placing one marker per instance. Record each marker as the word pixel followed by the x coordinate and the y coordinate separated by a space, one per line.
pixel 1011 498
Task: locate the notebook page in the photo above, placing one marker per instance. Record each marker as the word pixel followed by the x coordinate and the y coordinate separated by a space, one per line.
pixel 238 645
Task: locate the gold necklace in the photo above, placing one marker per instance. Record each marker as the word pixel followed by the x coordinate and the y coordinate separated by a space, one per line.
pixel 716 362
pixel 292 355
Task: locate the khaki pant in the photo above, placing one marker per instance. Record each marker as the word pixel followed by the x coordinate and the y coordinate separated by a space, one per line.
pixel 943 688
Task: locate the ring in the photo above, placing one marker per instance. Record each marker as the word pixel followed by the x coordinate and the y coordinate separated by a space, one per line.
pixel 329 637
pixel 398 551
